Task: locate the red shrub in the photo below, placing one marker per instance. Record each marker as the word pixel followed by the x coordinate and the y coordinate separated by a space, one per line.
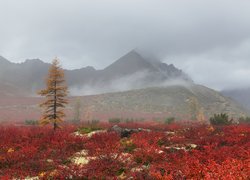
pixel 166 152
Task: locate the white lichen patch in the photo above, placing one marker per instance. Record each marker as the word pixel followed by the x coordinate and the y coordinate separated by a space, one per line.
pixel 176 148
pixel 77 133
pixel 193 146
pixel 169 133
pixel 159 151
pixel 95 132
pixel 84 152
pixel 139 169
pixel 125 158
pixel 80 160
pixel 32 178
pixel 186 147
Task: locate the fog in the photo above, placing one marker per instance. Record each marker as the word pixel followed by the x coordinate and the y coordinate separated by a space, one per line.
pixel 209 40
pixel 138 80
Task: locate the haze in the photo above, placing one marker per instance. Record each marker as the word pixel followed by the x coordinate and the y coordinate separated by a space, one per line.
pixel 209 39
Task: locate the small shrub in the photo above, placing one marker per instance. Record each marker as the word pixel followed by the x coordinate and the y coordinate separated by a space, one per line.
pixel 169 120
pixel 160 142
pixel 114 120
pixel 128 145
pixel 131 120
pixel 220 119
pixel 31 122
pixel 120 171
pixel 244 120
pixel 95 121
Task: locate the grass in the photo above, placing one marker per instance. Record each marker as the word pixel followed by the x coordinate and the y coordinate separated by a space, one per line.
pixel 86 130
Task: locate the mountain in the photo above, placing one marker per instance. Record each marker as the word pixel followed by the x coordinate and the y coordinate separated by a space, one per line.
pixel 4 62
pixel 242 96
pixel 133 63
pixel 180 101
pixel 25 77
pixel 128 64
pixel 129 72
pixel 150 90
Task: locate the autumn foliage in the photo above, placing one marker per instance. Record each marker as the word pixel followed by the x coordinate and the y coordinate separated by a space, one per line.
pixel 160 151
pixel 55 94
pixel 30 151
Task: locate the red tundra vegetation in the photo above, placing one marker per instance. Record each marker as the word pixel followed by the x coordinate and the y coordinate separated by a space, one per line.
pixel 158 151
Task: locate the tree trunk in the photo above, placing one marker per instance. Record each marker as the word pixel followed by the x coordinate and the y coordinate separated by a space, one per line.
pixel 55 126
pixel 55 99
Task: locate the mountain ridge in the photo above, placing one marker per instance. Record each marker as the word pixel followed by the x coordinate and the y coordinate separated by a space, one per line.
pixel 131 87
pixel 240 95
pixel 180 101
pixel 131 69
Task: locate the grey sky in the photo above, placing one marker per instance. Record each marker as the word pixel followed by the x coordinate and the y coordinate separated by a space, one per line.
pixel 208 39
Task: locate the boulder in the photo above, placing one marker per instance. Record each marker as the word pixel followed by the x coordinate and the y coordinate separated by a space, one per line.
pixel 125 132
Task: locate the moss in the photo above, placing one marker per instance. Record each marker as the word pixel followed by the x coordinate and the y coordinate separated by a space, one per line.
pixel 129 148
pixel 128 145
pixel 160 142
pixel 120 171
pixel 86 130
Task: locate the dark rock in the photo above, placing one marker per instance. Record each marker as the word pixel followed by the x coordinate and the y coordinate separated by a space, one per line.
pixel 125 132
pixel 116 129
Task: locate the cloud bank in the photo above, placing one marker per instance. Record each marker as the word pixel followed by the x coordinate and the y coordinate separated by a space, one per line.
pixel 208 39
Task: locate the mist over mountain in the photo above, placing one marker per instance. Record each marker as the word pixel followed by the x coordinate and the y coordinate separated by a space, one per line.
pixel 241 95
pixel 131 71
pixel 149 88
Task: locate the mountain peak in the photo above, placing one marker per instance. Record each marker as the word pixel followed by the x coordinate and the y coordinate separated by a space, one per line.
pixel 133 53
pixel 33 61
pixel 132 56
pixel 129 63
pixel 133 70
pixel 4 61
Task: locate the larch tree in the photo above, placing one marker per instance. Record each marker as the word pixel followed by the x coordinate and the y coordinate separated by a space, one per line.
pixel 55 94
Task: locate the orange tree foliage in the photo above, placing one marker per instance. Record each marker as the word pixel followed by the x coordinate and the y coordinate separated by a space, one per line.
pixel 55 93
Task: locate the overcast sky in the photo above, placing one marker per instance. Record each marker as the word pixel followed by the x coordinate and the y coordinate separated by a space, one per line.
pixel 208 39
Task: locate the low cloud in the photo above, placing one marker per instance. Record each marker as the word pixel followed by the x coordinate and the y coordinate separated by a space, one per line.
pixel 137 80
pixel 208 39
pixel 220 68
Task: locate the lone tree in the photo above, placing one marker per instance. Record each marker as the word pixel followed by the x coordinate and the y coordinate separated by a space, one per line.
pixel 55 93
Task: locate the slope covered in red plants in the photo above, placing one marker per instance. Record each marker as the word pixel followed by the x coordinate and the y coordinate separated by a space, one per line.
pixel 177 151
pixel 28 151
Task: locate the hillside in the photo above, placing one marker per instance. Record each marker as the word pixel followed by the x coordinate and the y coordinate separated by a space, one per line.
pixel 183 102
pixel 240 95
pixel 175 100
